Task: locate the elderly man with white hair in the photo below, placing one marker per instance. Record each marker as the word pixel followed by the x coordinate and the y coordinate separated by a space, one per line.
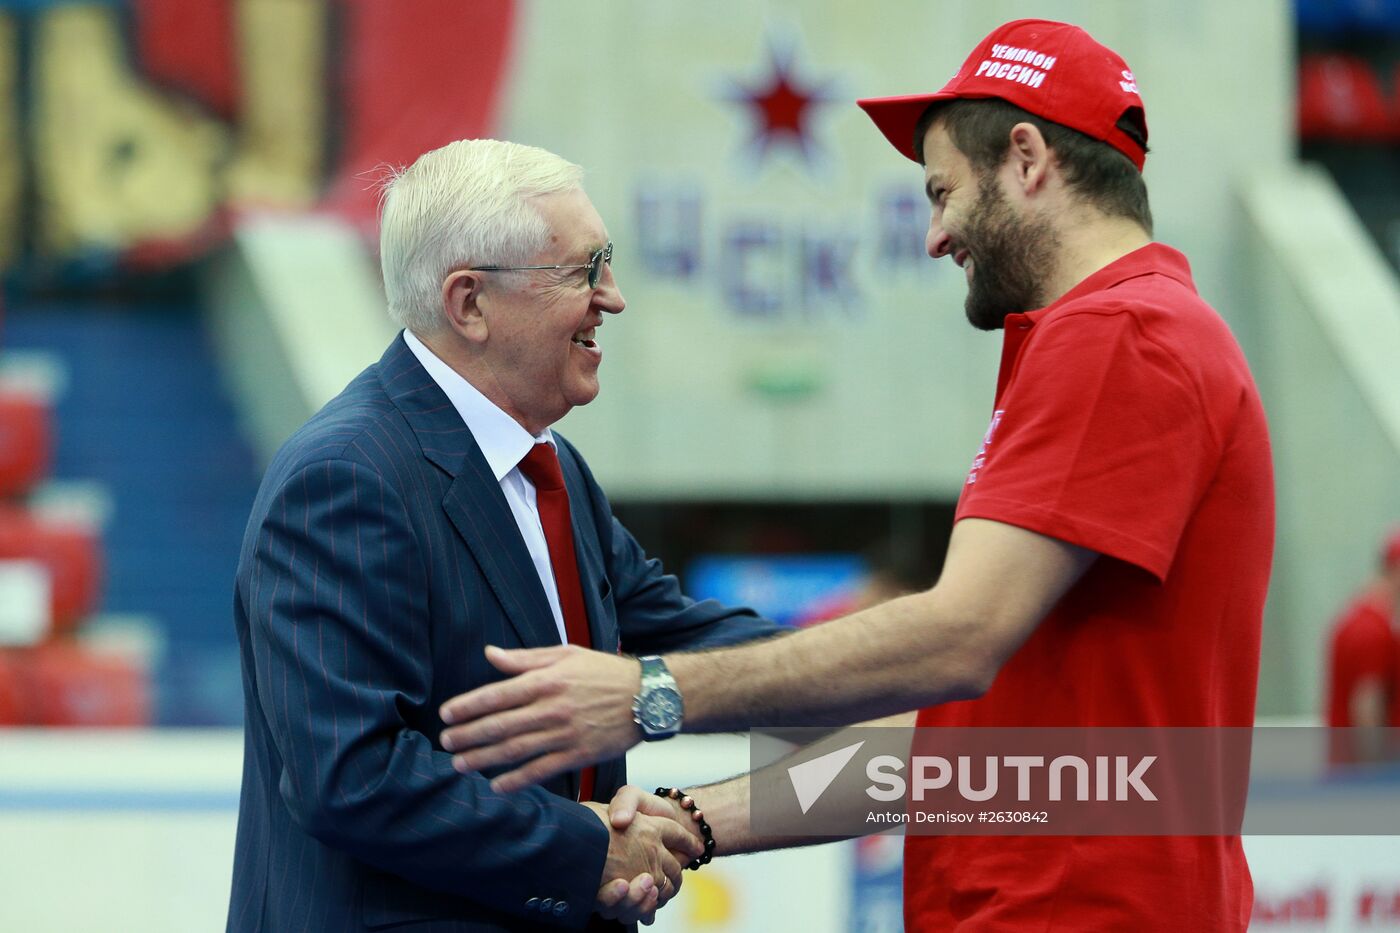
pixel 424 513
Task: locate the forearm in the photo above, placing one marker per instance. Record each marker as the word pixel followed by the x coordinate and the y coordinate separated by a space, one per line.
pixel 998 582
pixel 905 654
pixel 916 651
pixel 726 807
pixel 1368 704
pixel 1368 714
pixel 727 804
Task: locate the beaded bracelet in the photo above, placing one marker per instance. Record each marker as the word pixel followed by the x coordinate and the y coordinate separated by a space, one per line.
pixel 688 804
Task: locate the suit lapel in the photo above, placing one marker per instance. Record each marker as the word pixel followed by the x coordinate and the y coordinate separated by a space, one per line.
pixel 474 503
pixel 477 509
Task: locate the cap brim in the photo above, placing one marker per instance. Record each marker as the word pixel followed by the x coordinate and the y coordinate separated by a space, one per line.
pixel 897 117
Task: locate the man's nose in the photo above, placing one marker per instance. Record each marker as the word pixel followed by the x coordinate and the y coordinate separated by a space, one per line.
pixel 608 296
pixel 937 242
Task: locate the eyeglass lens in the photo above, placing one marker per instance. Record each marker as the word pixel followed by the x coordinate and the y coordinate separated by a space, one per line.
pixel 596 263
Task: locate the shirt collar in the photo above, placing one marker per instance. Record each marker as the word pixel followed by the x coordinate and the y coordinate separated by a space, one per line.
pixel 1152 259
pixel 502 440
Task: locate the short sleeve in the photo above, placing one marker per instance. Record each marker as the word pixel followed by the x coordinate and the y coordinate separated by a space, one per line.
pixel 1100 439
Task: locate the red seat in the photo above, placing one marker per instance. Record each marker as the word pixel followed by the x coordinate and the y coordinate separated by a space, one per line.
pixel 71 686
pixel 1340 98
pixel 26 443
pixel 70 552
pixel 11 694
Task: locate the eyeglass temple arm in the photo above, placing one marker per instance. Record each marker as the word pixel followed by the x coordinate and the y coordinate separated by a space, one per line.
pixel 580 265
pixel 603 255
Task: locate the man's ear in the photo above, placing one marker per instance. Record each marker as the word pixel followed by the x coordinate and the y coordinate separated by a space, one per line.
pixel 1029 157
pixel 462 304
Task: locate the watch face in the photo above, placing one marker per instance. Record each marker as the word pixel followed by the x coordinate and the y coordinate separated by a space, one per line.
pixel 661 709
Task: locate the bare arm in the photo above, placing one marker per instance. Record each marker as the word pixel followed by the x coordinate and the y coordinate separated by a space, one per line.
pixel 1368 702
pixel 944 644
pixel 570 707
pixel 1367 706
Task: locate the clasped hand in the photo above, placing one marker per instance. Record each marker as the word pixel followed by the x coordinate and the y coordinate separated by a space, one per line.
pixel 650 841
pixel 566 708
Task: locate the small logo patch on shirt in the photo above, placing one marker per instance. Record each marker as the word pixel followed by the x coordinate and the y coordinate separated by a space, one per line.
pixel 981 459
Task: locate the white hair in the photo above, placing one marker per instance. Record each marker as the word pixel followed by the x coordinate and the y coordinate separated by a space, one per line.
pixel 464 204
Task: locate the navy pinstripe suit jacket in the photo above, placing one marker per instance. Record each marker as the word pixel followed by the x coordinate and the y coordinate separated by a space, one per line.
pixel 380 558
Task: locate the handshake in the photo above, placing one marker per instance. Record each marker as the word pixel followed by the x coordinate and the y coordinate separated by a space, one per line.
pixel 650 840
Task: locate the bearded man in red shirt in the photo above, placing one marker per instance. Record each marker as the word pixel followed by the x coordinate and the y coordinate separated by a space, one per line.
pixel 1111 551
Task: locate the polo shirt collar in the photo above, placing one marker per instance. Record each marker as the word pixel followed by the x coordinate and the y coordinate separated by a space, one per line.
pixel 503 442
pixel 1152 259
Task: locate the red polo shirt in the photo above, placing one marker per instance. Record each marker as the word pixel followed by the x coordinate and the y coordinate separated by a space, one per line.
pixel 1126 422
pixel 1363 647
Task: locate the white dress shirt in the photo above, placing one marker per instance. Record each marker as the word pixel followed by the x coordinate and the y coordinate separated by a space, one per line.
pixel 504 443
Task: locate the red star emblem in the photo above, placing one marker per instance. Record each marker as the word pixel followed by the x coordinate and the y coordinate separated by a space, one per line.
pixel 781 105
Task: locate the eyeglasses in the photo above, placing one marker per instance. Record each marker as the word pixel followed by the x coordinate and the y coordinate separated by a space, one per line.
pixel 594 266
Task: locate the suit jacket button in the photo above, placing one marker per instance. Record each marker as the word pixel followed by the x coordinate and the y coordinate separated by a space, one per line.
pixel 561 909
pixel 547 904
pixel 532 904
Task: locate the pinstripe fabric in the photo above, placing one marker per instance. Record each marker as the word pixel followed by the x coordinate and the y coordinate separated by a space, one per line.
pixel 379 560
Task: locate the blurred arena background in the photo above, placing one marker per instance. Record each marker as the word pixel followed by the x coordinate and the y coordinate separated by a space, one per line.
pixel 187 219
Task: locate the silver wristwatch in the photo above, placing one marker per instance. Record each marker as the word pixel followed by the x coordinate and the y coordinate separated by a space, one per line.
pixel 658 708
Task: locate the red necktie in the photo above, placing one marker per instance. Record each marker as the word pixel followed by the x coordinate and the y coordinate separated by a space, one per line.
pixel 541 467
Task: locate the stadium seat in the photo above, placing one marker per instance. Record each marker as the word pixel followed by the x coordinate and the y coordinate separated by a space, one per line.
pixel 26 443
pixel 70 552
pixel 1340 98
pixel 11 709
pixel 71 686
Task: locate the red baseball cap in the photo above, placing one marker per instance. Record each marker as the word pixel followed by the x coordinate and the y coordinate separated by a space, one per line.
pixel 1053 70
